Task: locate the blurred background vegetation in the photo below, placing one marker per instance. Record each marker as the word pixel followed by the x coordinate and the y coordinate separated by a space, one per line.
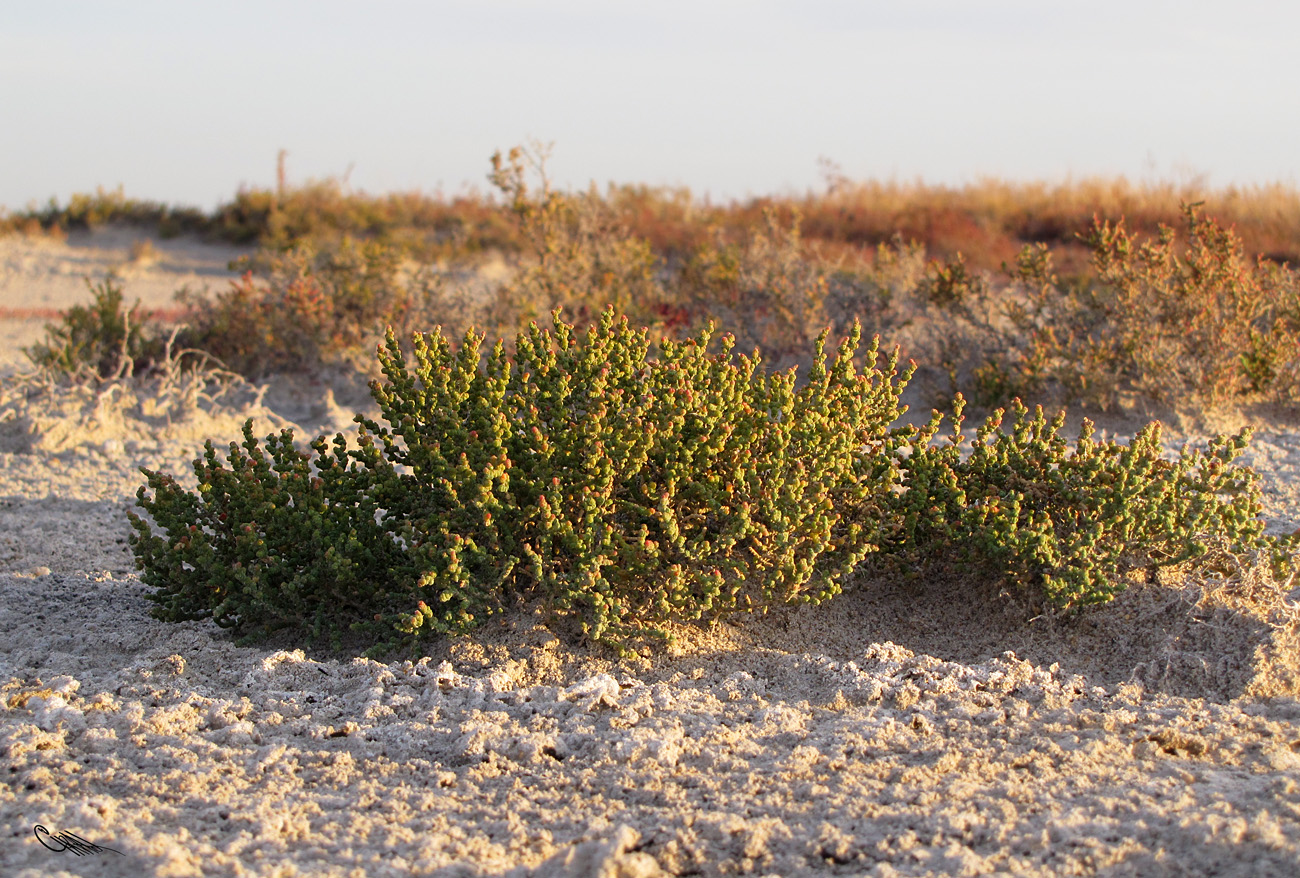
pixel 1095 292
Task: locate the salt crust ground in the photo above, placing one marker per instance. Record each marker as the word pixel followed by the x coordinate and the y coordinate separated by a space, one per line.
pixel 890 732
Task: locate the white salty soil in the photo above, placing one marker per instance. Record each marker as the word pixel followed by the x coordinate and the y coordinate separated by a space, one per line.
pixel 928 729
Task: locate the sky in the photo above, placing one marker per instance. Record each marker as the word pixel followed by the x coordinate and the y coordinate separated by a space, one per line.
pixel 187 102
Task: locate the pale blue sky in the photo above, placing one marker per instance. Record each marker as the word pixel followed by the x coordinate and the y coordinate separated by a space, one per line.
pixel 183 102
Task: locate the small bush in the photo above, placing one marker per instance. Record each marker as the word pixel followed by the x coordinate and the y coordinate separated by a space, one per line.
pixel 315 306
pixel 272 539
pixel 1194 326
pixel 1206 324
pixel 100 342
pixel 622 490
pixel 1024 505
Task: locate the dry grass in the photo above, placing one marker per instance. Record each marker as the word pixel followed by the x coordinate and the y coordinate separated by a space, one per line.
pixel 996 288
pixel 987 221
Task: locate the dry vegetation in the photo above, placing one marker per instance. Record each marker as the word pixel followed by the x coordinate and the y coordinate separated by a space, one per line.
pixel 988 221
pixel 1099 292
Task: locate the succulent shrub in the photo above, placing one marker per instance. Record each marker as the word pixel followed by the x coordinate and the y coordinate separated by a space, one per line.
pixel 628 486
pixel 629 491
pixel 621 489
pixel 276 538
pixel 101 341
pixel 1074 521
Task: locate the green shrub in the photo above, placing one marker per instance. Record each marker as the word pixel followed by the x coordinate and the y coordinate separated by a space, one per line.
pixel 100 342
pixel 1073 522
pixel 623 490
pixel 268 542
pixel 627 489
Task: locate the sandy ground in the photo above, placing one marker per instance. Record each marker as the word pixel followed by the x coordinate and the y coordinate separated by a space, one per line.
pixel 930 729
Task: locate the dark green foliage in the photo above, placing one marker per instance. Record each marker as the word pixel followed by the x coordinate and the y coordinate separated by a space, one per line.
pixel 272 539
pixel 1072 521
